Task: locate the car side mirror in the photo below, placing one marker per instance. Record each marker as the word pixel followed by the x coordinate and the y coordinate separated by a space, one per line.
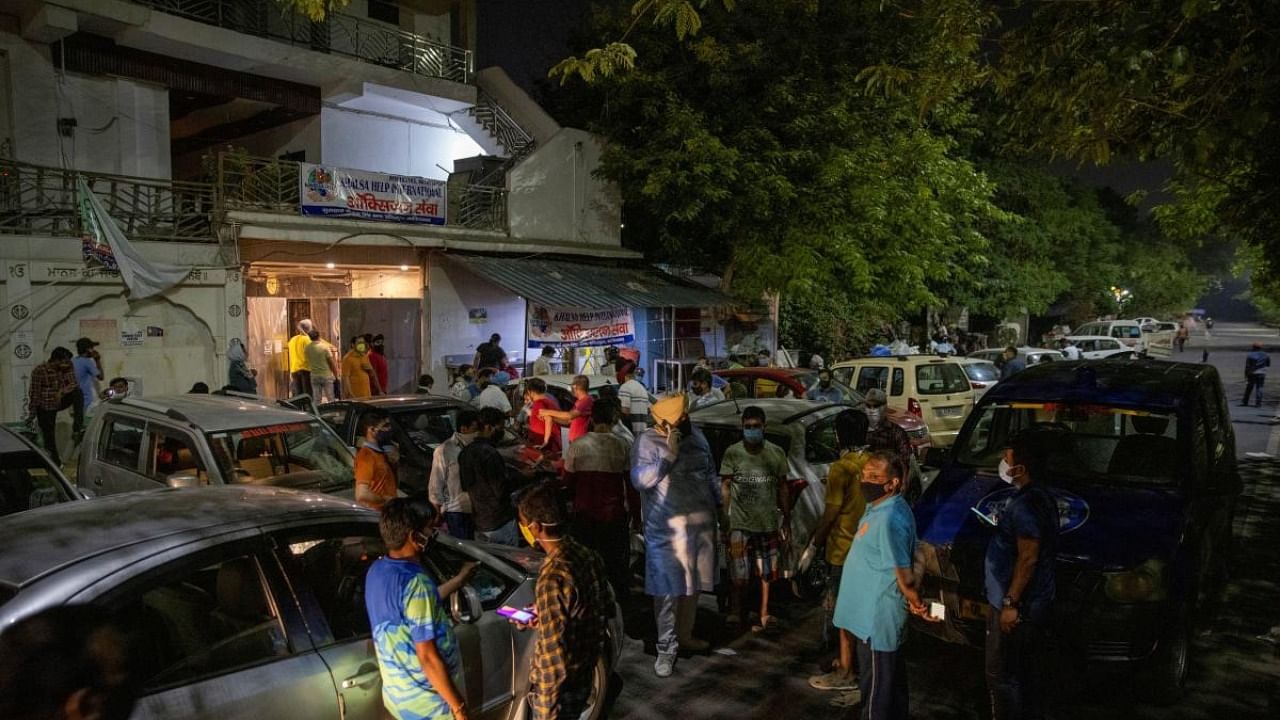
pixel 464 605
pixel 937 456
pixel 184 480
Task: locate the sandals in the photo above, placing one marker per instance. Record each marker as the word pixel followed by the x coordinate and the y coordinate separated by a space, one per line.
pixel 768 622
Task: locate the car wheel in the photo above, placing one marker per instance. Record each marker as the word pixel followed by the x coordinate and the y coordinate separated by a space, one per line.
pixel 598 700
pixel 1166 671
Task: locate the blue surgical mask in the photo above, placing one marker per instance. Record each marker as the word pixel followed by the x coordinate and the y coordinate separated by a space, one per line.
pixel 755 436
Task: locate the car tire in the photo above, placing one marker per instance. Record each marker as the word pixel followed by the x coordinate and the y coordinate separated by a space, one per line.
pixel 1165 675
pixel 598 703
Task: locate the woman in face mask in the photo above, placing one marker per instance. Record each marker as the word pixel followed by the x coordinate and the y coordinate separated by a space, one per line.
pixel 240 376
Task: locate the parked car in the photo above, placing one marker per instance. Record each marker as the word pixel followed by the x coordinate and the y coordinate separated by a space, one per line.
pixel 1100 347
pixel 983 374
pixel 928 387
pixel 253 597
pixel 1146 484
pixel 1029 355
pixel 1160 327
pixel 189 440
pixel 28 479
pixel 763 382
pixel 1128 332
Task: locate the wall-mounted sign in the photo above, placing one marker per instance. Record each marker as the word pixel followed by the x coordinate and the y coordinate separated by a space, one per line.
pixel 338 192
pixel 478 316
pixel 561 326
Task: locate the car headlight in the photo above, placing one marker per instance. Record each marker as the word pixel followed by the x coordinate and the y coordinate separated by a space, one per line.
pixel 1144 583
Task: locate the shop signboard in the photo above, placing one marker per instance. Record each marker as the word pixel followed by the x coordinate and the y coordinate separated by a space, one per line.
pixel 339 192
pixel 579 327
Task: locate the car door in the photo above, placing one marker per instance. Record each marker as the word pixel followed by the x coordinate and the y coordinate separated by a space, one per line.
pixel 173 457
pixel 217 636
pixel 117 458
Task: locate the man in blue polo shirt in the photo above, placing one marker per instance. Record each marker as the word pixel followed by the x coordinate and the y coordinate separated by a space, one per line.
pixel 877 589
pixel 1020 582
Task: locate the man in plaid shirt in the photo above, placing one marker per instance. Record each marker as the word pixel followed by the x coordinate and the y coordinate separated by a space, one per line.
pixel 53 388
pixel 573 603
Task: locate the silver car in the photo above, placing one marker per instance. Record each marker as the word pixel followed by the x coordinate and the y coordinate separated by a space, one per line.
pixel 28 479
pixel 248 602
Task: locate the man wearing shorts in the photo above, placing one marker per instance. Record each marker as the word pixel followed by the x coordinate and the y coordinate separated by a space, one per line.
pixel 753 474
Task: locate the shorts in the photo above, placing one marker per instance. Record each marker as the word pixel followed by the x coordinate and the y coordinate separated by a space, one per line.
pixel 760 550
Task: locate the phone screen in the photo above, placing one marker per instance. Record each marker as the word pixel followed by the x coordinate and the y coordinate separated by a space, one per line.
pixel 985 517
pixel 520 616
pixel 937 611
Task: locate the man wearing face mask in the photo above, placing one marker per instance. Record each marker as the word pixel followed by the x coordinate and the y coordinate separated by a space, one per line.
pixel 888 437
pixel 753 476
pixel 704 392
pixel 358 379
pixel 378 359
pixel 375 479
pixel 418 655
pixel 483 475
pixel 877 589
pixel 673 470
pixel 1020 581
pixel 572 607
pixel 825 390
pixel 444 486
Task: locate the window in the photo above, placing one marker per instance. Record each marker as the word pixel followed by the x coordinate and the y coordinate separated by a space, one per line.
pixel 982 372
pixel 820 444
pixel 336 417
pixel 492 587
pixel 285 449
pixel 203 622
pixel 122 445
pixel 871 376
pixel 1126 331
pixel 174 453
pixel 428 427
pixel 899 380
pixel 385 11
pixel 333 567
pixel 27 481
pixel 940 379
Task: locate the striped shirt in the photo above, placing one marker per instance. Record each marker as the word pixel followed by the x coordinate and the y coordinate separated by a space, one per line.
pixel 596 469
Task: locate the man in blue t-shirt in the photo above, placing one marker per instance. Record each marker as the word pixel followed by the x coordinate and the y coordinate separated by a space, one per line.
pixel 1020 581
pixel 88 367
pixel 877 589
pixel 417 653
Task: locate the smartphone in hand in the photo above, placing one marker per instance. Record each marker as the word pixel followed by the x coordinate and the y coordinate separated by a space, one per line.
pixel 985 517
pixel 524 617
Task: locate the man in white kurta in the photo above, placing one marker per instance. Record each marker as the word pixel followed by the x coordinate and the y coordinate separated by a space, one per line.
pixel 673 470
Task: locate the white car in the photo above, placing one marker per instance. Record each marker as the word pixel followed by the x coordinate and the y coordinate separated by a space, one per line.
pixel 1145 321
pixel 1030 356
pixel 1128 332
pixel 983 374
pixel 1100 347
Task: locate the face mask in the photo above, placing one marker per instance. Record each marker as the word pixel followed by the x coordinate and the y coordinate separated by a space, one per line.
pixel 361 347
pixel 872 492
pixel 824 384
pixel 383 437
pixel 755 436
pixel 1005 471
pixel 874 416
pixel 528 535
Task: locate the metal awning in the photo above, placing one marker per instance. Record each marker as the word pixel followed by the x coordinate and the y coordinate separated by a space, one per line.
pixel 565 283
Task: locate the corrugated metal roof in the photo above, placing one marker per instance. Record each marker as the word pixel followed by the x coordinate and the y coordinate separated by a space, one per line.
pixel 566 283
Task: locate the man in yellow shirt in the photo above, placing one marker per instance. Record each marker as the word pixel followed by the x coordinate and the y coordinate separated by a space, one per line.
pixel 358 378
pixel 844 508
pixel 299 369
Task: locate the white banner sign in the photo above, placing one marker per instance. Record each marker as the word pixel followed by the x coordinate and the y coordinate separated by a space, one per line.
pixel 338 192
pixel 561 326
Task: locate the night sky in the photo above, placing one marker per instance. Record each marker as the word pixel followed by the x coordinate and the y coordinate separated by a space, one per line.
pixel 526 37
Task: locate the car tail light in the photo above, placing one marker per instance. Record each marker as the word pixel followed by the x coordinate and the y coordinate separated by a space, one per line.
pixel 913 407
pixel 977 385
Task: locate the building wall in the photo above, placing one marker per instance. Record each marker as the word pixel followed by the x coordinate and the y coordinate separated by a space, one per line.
pixel 555 194
pixel 366 141
pixel 122 126
pixel 451 294
pixel 291 137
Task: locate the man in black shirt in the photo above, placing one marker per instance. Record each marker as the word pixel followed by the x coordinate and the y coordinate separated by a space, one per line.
pixel 490 354
pixel 484 475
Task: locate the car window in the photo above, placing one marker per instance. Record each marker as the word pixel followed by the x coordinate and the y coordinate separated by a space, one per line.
pixel 843 374
pixel 899 379
pixel 982 372
pixel 26 482
pixel 122 444
pixel 332 565
pixel 255 454
pixel 173 452
pixel 871 377
pixel 1126 331
pixel 336 416
pixel 940 379
pixel 820 445
pixel 1090 329
pixel 202 621
pixel 492 587
pixel 427 427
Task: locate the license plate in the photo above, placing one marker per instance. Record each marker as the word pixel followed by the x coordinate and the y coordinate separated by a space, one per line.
pixel 950 412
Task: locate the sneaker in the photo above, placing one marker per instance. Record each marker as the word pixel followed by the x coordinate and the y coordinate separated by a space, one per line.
pixel 834 680
pixel 848 698
pixel 663 666
pixel 694 645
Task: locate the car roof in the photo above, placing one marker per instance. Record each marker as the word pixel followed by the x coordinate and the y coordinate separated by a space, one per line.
pixel 38 542
pixel 211 413
pixel 970 360
pixel 905 359
pixel 1090 337
pixel 776 410
pixel 1135 383
pixel 393 402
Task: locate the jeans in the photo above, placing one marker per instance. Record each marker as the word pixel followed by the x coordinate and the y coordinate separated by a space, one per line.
pixel 1253 386
pixel 1015 669
pixel 302 382
pixel 460 525
pixel 47 420
pixel 674 615
pixel 612 541
pixel 323 387
pixel 882 677
pixel 507 534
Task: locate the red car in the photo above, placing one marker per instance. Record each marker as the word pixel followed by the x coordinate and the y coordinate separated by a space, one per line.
pixel 764 382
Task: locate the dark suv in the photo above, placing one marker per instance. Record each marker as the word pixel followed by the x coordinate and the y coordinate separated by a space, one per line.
pixel 1146 482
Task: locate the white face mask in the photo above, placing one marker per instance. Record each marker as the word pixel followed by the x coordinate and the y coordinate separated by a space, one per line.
pixel 1004 471
pixel 874 416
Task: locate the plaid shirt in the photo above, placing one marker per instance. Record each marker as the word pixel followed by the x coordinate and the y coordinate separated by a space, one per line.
pixel 48 384
pixel 574 603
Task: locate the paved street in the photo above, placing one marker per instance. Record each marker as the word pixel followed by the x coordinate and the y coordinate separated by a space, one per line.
pixel 1234 672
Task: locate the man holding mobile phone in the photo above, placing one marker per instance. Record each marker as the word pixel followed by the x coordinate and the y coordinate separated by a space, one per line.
pixel 572 606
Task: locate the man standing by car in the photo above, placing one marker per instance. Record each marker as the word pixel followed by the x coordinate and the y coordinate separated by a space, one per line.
pixel 573 605
pixel 824 390
pixel 542 366
pixel 634 397
pixel 378 359
pixel 1255 374
pixel 444 487
pixel 324 368
pixel 88 367
pixel 877 589
pixel 1069 349
pixel 753 476
pixel 418 655
pixel 484 476
pixel 1020 581
pixel 704 390
pixel 1012 363
pixel 595 470
pixel 52 389
pixel 675 474
pixel 490 395
pixel 885 436
pixel 579 417
pixel 375 478
pixel 490 354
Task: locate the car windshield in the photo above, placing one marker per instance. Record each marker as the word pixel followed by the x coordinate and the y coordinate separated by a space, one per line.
pixel 1099 443
pixel 26 482
pixel 261 454
pixel 941 379
pixel 427 427
pixel 982 372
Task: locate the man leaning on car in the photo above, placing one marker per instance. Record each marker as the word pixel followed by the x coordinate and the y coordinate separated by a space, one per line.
pixel 1020 581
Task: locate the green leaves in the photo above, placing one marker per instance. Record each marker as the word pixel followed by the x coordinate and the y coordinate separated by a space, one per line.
pixel 613 59
pixel 315 10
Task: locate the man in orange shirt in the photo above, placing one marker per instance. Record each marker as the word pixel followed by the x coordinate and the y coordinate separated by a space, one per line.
pixel 375 479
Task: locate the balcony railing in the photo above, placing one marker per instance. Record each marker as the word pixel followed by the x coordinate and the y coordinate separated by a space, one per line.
pixel 40 200
pixel 482 208
pixel 338 33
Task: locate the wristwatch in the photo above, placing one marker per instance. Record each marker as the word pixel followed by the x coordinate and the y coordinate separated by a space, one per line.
pixel 1009 602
